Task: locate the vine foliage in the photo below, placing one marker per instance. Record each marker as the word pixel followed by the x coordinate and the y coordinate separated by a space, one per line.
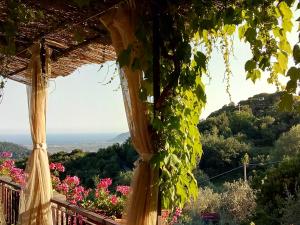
pixel 188 32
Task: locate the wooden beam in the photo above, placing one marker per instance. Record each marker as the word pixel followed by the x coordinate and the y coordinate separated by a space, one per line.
pixel 60 54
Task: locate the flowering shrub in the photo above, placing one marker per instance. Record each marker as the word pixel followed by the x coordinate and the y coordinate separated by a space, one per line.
pixel 70 186
pixel 171 218
pixel 107 203
pixel 74 192
pixel 7 168
pixel 100 200
pixel 56 168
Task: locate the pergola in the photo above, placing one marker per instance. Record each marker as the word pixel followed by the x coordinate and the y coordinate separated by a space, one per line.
pixel 64 38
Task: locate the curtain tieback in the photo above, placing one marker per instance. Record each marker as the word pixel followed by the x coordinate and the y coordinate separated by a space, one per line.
pixel 40 146
pixel 146 157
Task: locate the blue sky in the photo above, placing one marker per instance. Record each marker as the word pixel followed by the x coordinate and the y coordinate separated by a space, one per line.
pixel 82 103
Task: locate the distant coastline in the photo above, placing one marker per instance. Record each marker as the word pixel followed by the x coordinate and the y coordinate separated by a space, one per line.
pixel 90 142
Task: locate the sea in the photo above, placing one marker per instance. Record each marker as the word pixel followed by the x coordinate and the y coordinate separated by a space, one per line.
pixel 90 142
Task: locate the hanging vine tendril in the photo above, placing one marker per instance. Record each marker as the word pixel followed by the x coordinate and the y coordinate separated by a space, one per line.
pixel 2 85
pixel 226 51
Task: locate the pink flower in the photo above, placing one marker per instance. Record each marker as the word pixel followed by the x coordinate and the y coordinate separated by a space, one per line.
pixel 174 220
pixel 63 187
pixel 178 212
pixel 114 199
pixel 165 215
pixel 79 190
pixel 104 183
pixel 86 193
pixel 6 154
pixel 72 181
pixel 72 201
pixel 60 167
pixel 124 190
pixel 52 166
pixel 57 166
pixel 9 164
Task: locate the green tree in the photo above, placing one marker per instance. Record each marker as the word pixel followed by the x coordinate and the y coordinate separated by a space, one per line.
pixel 287 145
pixel 115 161
pixel 274 187
pixel 221 154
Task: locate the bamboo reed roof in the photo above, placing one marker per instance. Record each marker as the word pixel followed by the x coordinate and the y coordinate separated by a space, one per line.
pixel 74 33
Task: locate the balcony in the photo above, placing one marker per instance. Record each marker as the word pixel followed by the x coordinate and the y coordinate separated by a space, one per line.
pixel 63 212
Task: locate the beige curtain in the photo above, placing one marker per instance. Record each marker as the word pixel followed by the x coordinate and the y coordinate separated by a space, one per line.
pixel 35 206
pixel 142 208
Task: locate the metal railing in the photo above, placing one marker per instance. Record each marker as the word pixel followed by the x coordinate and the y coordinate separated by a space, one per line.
pixel 63 212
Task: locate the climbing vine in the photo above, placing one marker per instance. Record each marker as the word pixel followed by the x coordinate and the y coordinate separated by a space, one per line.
pixel 188 32
pixel 17 13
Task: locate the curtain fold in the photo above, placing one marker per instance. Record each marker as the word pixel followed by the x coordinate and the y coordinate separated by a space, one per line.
pixel 35 206
pixel 142 205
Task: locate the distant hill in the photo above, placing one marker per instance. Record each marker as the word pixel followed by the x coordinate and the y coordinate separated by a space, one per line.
pixel 252 126
pixel 121 138
pixel 258 117
pixel 18 151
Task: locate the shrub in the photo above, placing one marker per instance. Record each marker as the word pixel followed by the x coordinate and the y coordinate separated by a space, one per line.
pixel 291 210
pixel 238 201
pixel 207 201
pixel 235 204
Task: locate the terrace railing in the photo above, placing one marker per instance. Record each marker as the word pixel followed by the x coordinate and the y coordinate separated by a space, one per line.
pixel 63 212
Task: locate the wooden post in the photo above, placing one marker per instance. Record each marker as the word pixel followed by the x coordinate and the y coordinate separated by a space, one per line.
pixel 245 161
pixel 245 172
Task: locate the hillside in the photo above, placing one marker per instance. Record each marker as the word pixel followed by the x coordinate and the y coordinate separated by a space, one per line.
pixel 252 126
pixel 18 151
pixel 121 138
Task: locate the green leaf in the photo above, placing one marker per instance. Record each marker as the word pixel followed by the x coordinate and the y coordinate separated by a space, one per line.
pixel 296 54
pixel 287 25
pixel 285 10
pixel 250 35
pixel 242 30
pixel 291 86
pixel 282 60
pixel 294 73
pixel 277 32
pixel 264 63
pixel 254 75
pixel 286 102
pixel 250 65
pixel 229 29
pixel 285 46
pixel 200 59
